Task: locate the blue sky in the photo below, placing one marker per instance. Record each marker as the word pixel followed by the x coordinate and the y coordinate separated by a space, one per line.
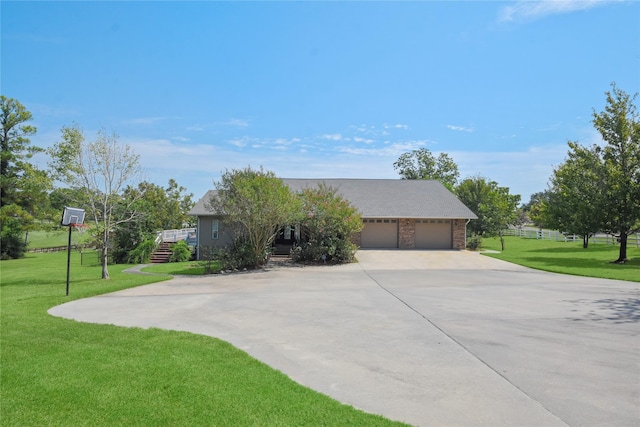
pixel 323 89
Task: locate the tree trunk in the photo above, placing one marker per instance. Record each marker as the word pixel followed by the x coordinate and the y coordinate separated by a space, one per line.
pixel 104 255
pixel 502 242
pixel 585 241
pixel 622 257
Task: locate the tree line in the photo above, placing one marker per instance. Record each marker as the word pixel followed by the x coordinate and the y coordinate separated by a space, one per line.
pixel 100 175
pixel 494 205
pixel 595 189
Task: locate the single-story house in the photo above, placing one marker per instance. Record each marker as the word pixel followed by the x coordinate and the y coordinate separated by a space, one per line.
pixel 404 214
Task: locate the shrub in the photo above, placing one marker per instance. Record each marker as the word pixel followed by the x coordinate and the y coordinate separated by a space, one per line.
pixel 474 242
pixel 328 222
pixel 180 252
pixel 142 252
pixel 240 254
pixel 208 256
pixel 12 244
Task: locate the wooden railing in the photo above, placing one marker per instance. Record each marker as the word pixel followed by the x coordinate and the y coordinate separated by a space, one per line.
pixel 172 236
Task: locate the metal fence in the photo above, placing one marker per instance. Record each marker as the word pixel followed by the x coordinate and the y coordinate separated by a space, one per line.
pixel 602 238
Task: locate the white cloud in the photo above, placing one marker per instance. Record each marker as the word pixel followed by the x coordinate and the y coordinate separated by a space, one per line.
pixel 362 128
pixel 239 142
pixel 332 136
pixel 282 142
pixel 391 149
pixel 240 123
pixel 530 10
pixel 396 126
pixel 365 140
pixel 461 128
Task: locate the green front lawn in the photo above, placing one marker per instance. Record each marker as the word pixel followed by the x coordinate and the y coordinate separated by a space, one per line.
pixel 190 268
pixel 66 373
pixel 568 257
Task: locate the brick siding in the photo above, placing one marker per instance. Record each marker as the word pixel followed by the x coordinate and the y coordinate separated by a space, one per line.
pixel 459 234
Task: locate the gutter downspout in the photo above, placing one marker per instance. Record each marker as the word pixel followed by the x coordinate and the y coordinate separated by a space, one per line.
pixel 198 239
pixel 465 233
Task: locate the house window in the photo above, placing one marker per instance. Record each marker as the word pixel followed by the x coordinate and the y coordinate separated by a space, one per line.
pixel 214 229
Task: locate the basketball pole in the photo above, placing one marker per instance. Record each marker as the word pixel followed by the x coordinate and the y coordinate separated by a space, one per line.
pixel 69 258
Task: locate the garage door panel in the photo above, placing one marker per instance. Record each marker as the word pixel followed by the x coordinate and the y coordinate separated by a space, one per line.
pixel 379 233
pixel 433 234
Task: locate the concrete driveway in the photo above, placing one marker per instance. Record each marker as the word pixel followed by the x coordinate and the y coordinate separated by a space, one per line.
pixel 434 338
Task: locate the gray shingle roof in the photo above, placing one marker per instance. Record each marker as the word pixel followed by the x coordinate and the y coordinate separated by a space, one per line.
pixel 382 198
pixel 202 207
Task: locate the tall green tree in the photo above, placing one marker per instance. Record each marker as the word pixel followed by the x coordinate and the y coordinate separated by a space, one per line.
pixel 619 125
pixel 422 164
pixel 495 207
pixel 256 204
pixel 157 208
pixel 102 169
pixel 575 200
pixel 23 187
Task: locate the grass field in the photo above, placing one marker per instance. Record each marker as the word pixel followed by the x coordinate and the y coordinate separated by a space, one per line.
pixel 48 239
pixel 568 257
pixel 65 373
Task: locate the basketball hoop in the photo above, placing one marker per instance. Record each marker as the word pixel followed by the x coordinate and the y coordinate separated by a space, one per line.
pixel 72 218
pixel 80 228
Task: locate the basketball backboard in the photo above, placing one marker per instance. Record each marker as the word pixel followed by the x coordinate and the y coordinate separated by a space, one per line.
pixel 72 216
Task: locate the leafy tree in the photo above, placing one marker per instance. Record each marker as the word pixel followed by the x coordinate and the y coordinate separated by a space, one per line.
pixel 619 125
pixel 61 197
pixel 495 207
pixel 422 164
pixel 534 208
pixel 102 169
pixel 156 209
pixel 23 187
pixel 15 147
pixel 575 201
pixel 256 204
pixel 328 221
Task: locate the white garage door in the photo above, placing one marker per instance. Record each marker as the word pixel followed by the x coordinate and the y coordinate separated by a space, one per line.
pixel 380 233
pixel 433 234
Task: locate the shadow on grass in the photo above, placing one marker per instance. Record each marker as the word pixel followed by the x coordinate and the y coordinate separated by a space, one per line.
pixel 576 263
pixel 574 249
